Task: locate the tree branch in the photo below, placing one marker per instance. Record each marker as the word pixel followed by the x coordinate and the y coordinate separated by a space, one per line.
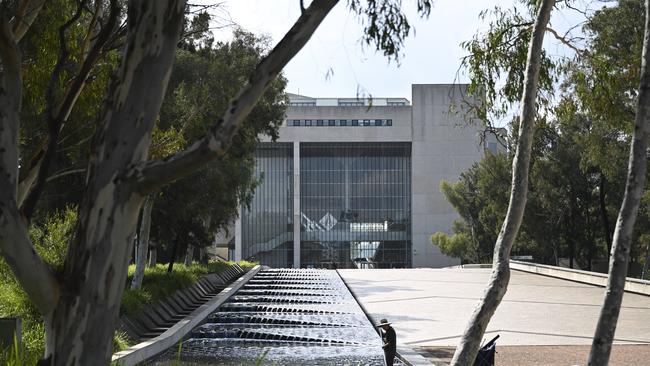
pixel 565 41
pixel 27 12
pixel 32 273
pixel 53 123
pixel 154 174
pixel 65 173
pixel 31 185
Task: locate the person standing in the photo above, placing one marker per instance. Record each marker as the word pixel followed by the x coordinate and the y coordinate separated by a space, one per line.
pixel 390 341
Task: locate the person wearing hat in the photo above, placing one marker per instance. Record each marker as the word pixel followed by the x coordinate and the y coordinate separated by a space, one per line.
pixel 390 341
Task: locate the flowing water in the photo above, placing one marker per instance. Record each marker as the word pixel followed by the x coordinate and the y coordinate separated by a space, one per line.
pixel 283 317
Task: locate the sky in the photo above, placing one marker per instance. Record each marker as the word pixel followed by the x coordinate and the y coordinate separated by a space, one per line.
pixel 334 63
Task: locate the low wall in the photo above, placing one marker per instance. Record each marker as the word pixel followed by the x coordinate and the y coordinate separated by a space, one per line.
pixel 634 285
pixel 151 347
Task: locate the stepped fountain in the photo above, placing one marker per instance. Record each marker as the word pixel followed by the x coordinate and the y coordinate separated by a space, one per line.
pixel 283 317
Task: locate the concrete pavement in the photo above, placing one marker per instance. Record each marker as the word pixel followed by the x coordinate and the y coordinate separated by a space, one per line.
pixel 430 307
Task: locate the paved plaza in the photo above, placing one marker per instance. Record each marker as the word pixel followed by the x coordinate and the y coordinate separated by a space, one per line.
pixel 430 307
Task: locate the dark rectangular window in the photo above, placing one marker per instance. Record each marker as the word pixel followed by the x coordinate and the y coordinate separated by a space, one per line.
pixel 343 122
pixel 379 122
pixel 319 122
pixel 355 122
pixel 366 122
pixel 296 122
pixel 331 122
pixel 307 122
pixel 389 122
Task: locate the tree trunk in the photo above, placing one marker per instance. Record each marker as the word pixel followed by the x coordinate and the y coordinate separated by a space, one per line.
pixel 496 288
pixel 618 262
pixel 203 255
pixel 172 259
pixel 153 256
pixel 644 273
pixel 189 255
pixel 143 243
pixel 603 213
pixel 83 322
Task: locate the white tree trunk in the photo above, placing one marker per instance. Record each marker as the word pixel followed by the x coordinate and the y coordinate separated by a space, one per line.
pixel 143 243
pixel 620 254
pixel 95 269
pixel 153 257
pixel 496 288
pixel 189 255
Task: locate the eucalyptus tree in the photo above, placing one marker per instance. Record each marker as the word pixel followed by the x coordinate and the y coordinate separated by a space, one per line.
pixel 80 305
pixel 204 75
pixel 470 341
pixel 636 176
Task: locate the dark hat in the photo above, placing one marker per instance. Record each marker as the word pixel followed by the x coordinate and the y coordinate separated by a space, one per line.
pixel 383 322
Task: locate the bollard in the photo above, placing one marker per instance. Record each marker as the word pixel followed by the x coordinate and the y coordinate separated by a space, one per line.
pixel 10 327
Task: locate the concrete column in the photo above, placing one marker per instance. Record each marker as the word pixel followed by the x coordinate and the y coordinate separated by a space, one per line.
pixel 296 204
pixel 238 243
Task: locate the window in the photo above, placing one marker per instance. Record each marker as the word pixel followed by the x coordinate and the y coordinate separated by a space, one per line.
pixel 307 122
pixel 331 122
pixel 319 122
pixel 355 122
pixel 343 122
pixel 302 104
pixel 351 103
pixel 295 122
pixel 366 122
pixel 389 122
pixel 379 122
pixel 396 104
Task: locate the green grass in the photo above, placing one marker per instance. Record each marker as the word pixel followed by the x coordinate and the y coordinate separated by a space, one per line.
pixel 157 285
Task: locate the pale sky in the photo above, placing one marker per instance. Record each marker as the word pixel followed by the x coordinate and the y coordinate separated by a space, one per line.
pixel 431 55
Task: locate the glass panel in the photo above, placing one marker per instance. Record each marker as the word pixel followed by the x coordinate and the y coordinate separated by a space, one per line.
pixel 267 227
pixel 355 205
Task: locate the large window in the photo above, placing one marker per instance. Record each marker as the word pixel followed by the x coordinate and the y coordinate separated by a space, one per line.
pixel 267 226
pixel 355 201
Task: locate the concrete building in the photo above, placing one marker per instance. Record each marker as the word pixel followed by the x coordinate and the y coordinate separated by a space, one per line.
pixel 354 183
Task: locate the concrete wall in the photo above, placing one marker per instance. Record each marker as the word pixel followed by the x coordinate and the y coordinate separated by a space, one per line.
pixel 444 145
pixel 399 131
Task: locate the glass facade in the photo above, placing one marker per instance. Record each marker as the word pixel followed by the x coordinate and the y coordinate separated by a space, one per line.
pixel 355 203
pixel 267 225
pixel 355 206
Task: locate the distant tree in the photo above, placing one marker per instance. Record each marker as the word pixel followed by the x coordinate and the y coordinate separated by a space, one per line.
pixel 479 197
pixel 204 74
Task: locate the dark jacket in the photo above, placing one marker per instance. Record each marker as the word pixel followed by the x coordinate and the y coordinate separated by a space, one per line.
pixel 390 340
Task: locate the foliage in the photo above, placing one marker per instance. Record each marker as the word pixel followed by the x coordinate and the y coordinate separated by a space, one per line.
pixel 40 49
pixel 385 25
pixel 459 245
pixel 580 150
pixel 480 198
pixel 192 209
pixel 50 241
pixel 158 283
pixel 496 63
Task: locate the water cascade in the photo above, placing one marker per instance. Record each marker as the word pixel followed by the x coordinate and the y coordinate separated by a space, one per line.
pixel 283 317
